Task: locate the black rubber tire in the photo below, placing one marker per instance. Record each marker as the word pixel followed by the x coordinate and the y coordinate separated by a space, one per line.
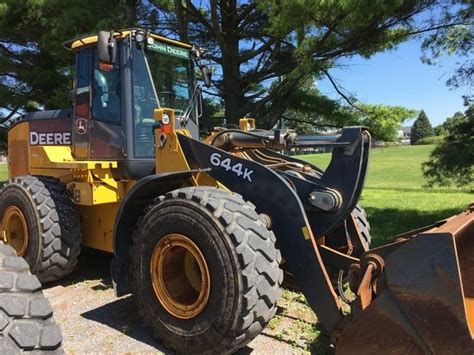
pixel 364 226
pixel 54 229
pixel 243 263
pixel 26 316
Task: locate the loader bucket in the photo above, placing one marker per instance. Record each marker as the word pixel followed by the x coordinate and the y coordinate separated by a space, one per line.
pixel 425 298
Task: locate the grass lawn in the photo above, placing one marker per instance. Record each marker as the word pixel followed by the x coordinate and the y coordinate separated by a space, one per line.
pixel 3 173
pixel 394 196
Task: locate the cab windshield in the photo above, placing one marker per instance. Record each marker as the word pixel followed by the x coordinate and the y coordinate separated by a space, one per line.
pixel 161 77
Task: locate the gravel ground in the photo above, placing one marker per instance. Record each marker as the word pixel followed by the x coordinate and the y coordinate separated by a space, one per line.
pixel 93 320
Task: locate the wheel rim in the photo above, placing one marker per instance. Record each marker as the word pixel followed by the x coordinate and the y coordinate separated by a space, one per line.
pixel 15 230
pixel 180 276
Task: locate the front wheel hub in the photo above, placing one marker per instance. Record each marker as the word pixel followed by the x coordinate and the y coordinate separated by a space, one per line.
pixel 180 276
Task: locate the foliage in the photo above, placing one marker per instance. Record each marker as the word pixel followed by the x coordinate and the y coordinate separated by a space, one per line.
pixel 384 121
pixel 453 160
pixel 307 115
pixel 439 130
pixel 311 112
pixel 34 66
pixel 3 138
pixel 454 40
pixel 430 140
pixel 421 128
pixel 451 123
pixel 448 124
pixel 264 51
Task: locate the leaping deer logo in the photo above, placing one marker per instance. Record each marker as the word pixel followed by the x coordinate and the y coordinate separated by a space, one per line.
pixel 81 126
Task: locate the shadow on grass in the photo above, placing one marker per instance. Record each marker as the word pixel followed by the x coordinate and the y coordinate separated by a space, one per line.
pixel 388 222
pixel 320 343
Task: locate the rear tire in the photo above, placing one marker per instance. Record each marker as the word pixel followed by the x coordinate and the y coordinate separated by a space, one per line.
pixel 241 258
pixel 53 227
pixel 26 316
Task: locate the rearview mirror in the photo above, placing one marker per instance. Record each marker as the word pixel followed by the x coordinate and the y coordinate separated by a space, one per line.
pixel 206 75
pixel 107 47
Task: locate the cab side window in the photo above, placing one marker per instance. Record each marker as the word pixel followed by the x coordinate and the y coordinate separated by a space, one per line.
pixel 83 82
pixel 106 92
pixel 83 67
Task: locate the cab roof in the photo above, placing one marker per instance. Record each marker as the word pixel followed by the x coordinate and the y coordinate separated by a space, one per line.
pixel 87 40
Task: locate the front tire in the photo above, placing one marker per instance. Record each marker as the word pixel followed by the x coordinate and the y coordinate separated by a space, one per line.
pixel 50 235
pixel 230 305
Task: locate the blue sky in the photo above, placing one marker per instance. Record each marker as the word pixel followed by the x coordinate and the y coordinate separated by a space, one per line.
pixel 398 77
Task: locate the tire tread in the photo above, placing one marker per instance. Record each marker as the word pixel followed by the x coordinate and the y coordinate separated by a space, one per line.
pixel 258 258
pixel 26 316
pixel 59 225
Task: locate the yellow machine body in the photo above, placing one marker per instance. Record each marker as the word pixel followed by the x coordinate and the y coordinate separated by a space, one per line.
pixel 91 183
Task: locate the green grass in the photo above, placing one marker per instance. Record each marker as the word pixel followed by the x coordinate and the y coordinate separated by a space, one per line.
pixel 3 173
pixel 394 195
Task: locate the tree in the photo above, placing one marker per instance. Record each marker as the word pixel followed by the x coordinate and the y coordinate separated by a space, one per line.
pixel 384 121
pixel 439 130
pixel 455 40
pixel 421 128
pixel 265 50
pixel 453 160
pixel 34 66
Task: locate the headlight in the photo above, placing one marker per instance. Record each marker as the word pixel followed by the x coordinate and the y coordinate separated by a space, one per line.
pixel 165 119
pixel 139 36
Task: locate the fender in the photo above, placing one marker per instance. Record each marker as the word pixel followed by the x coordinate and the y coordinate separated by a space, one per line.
pixel 132 207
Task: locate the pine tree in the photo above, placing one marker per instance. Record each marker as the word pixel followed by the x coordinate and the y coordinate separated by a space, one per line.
pixel 421 128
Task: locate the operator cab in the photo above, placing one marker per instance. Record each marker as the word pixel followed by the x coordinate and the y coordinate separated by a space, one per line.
pixel 121 78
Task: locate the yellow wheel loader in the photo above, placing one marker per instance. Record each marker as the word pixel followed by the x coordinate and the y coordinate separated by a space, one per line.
pixel 201 229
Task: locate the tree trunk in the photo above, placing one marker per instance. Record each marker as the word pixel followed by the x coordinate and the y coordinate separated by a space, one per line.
pixel 130 11
pixel 182 21
pixel 229 44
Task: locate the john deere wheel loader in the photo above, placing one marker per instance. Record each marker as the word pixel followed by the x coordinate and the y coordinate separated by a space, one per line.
pixel 201 229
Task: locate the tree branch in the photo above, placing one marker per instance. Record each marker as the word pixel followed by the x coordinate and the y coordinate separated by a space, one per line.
pixel 339 91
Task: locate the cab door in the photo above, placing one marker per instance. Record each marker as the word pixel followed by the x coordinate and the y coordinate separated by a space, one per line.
pixel 97 129
pixel 82 116
pixel 106 133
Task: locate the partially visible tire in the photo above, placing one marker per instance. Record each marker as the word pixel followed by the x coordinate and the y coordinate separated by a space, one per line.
pixel 26 316
pixel 53 226
pixel 237 250
pixel 360 218
pixel 363 224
